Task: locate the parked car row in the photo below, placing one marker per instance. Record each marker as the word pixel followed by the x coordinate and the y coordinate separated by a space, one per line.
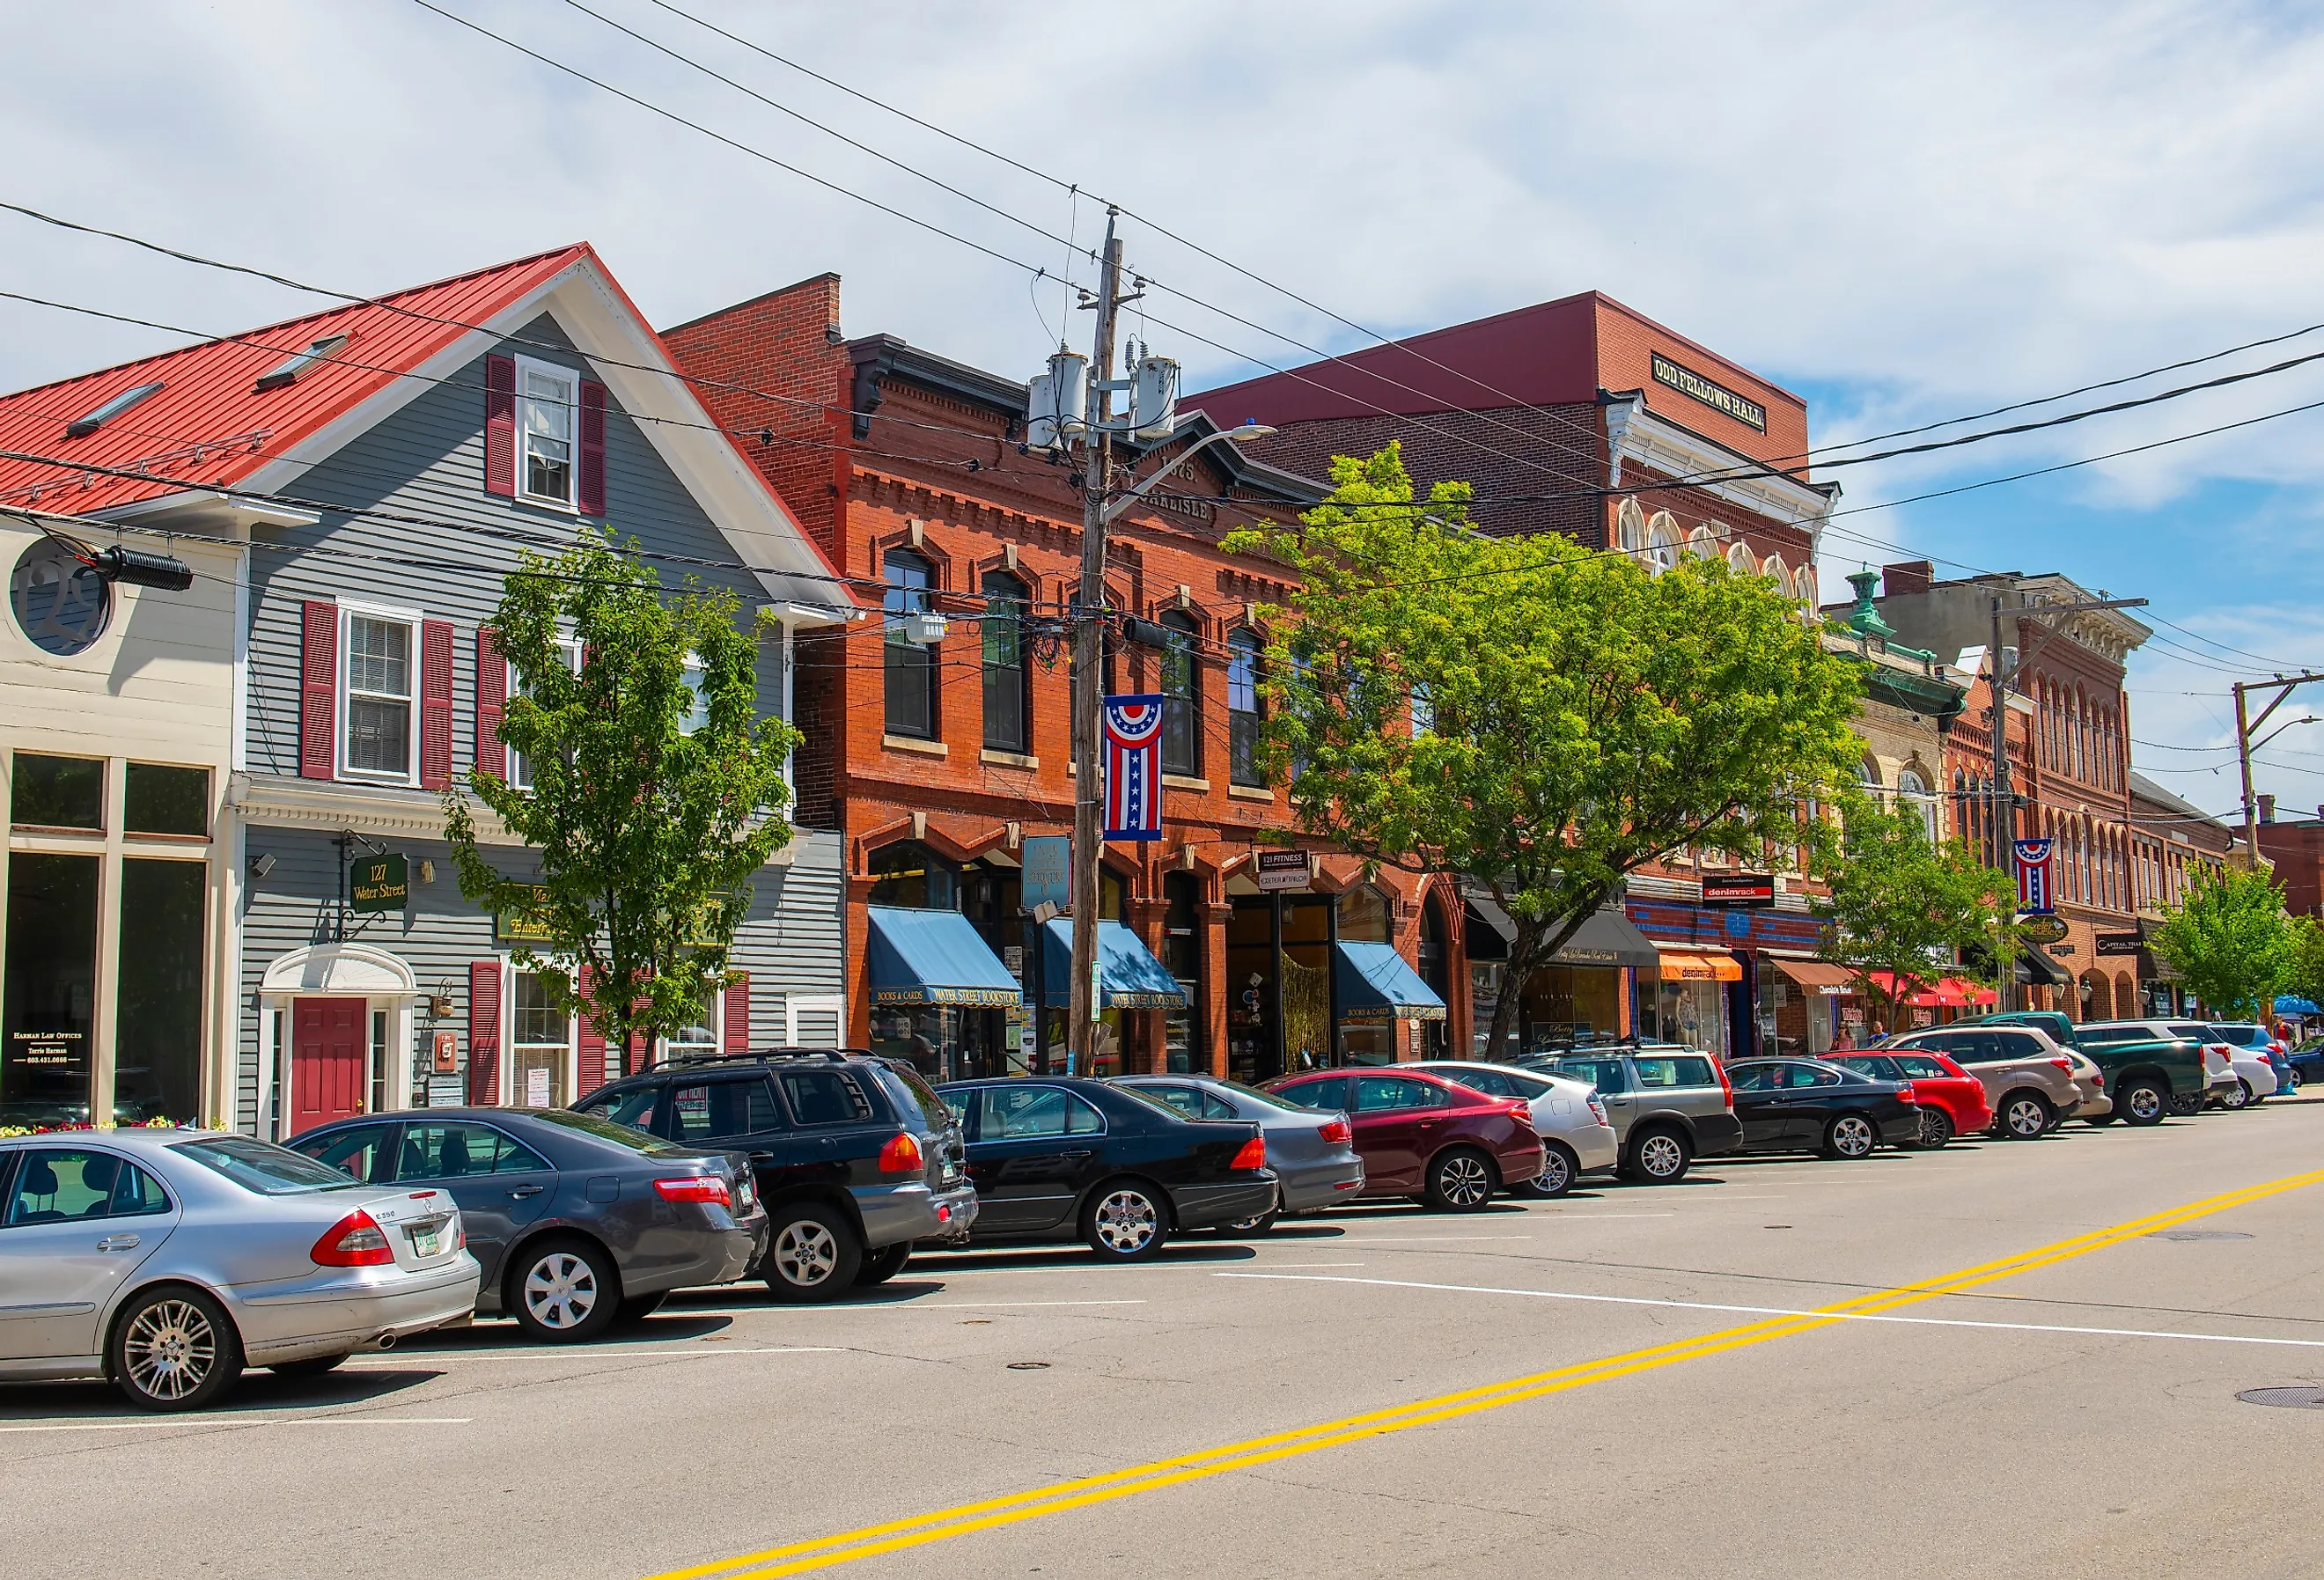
pixel 167 1261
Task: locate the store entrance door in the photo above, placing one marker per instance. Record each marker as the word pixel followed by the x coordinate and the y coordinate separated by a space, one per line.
pixel 329 1052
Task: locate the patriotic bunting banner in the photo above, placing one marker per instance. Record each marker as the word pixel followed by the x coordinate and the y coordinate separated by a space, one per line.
pixel 1133 767
pixel 2033 877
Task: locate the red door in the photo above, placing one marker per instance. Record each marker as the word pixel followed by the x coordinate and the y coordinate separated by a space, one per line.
pixel 328 1056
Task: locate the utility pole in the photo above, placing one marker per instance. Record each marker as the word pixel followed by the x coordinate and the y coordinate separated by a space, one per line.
pixel 2282 685
pixel 1089 668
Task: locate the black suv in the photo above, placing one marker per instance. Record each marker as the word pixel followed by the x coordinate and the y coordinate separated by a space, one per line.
pixel 856 1156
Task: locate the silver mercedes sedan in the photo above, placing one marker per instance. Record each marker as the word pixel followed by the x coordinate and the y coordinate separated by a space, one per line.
pixel 168 1260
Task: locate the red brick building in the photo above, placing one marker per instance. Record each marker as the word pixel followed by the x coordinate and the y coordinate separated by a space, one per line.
pixel 941 762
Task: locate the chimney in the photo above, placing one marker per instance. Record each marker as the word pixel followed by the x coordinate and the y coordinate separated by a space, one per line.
pixel 2267 808
pixel 1912 576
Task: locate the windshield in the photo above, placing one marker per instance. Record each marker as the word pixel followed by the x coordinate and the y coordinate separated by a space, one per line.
pixel 605 1130
pixel 1151 1100
pixel 262 1168
pixel 1272 1099
pixel 910 1092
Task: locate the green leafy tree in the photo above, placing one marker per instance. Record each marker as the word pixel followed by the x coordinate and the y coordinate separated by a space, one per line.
pixel 655 790
pixel 2306 977
pixel 1900 904
pixel 2231 943
pixel 1577 718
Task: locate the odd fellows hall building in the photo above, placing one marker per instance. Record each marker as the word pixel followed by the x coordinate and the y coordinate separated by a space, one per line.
pixel 1582 417
pixel 945 756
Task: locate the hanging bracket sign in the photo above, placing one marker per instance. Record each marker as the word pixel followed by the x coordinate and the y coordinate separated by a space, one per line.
pixel 379 883
pixel 1284 870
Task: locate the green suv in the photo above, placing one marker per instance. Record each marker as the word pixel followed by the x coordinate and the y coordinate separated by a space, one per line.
pixel 2147 1077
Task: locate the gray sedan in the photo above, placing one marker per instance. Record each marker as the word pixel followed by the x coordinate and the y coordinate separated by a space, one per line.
pixel 576 1219
pixel 168 1260
pixel 1311 1152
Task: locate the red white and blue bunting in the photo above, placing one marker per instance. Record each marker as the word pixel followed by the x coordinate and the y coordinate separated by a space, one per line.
pixel 1133 767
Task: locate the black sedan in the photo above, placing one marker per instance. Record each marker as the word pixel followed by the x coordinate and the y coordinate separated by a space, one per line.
pixel 575 1220
pixel 1057 1157
pixel 1812 1105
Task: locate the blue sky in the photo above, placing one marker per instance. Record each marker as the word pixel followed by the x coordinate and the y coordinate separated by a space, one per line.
pixel 1906 214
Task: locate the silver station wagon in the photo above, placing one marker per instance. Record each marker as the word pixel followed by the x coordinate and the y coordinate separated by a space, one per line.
pixel 168 1260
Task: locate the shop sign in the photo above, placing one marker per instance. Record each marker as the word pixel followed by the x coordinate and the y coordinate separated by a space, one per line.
pixel 522 927
pixel 1285 869
pixel 2119 943
pixel 2042 929
pixel 1924 1017
pixel 1752 891
pixel 2063 949
pixel 1852 1014
pixel 1048 871
pixel 1749 413
pixel 448 1052
pixel 535 1086
pixel 380 882
pixel 447 1092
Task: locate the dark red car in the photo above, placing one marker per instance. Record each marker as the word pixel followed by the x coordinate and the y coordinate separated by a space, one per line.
pixel 1423 1136
pixel 1952 1102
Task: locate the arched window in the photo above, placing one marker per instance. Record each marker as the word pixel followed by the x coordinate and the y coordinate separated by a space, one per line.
pixel 1702 542
pixel 1662 547
pixel 1182 694
pixel 1961 829
pixel 1008 685
pixel 1364 917
pixel 1242 708
pixel 1631 531
pixel 1913 791
pixel 1806 583
pixel 1740 560
pixel 1421 702
pixel 1774 568
pixel 911 666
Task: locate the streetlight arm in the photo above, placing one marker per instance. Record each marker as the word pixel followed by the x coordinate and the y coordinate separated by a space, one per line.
pixel 1249 430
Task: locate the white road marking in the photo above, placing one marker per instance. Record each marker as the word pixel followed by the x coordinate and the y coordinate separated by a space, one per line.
pixel 986 1305
pixel 406 1357
pixel 1431 1239
pixel 1573 1217
pixel 1291 1264
pixel 2212 1338
pixel 245 1421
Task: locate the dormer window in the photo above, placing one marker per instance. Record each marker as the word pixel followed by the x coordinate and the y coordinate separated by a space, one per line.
pixel 546 397
pixel 82 426
pixel 299 364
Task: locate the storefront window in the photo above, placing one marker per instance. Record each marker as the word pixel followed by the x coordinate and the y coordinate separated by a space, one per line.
pixel 1693 1013
pixel 538 1041
pixel 48 1006
pixel 1434 971
pixel 157 798
pixel 1307 1041
pixel 912 876
pixel 1182 955
pixel 1571 1006
pixel 1250 985
pixel 158 1037
pixel 57 792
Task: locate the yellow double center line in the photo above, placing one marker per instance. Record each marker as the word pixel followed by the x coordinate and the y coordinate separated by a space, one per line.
pixel 1059 1497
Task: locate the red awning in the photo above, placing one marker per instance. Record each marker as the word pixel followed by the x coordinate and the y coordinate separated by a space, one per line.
pixel 1946 992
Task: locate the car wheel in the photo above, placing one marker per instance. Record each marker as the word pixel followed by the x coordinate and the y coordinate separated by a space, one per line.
pixel 312 1366
pixel 2187 1105
pixel 175 1349
pixel 1851 1136
pixel 1257 1225
pixel 2141 1102
pixel 2241 1097
pixel 812 1255
pixel 1558 1168
pixel 1660 1156
pixel 638 1308
pixel 1936 1128
pixel 2024 1116
pixel 562 1292
pixel 879 1266
pixel 1125 1221
pixel 1459 1180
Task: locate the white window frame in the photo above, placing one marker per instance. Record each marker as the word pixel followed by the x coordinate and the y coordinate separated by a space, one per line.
pixel 412 619
pixel 525 367
pixel 510 1096
pixel 664 1048
pixel 694 666
pixel 510 756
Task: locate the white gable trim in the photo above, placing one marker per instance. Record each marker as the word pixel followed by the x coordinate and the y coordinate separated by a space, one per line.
pixel 598 319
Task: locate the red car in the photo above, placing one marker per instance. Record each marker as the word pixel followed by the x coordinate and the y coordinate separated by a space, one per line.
pixel 1423 1136
pixel 1952 1102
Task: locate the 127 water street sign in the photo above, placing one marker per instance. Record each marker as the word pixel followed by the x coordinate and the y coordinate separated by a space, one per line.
pixel 379 883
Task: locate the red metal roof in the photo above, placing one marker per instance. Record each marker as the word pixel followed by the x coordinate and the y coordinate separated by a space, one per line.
pixel 207 426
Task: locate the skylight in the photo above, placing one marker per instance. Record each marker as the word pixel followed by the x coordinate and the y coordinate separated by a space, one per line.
pixel 291 369
pixel 82 426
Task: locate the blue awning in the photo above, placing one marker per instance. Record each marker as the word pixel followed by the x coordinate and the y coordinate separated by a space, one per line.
pixel 932 957
pixel 1372 983
pixel 2291 1004
pixel 1128 976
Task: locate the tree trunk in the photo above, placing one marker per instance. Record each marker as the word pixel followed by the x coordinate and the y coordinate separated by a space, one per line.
pixel 1505 1018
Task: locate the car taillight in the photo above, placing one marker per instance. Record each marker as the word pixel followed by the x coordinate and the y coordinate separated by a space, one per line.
pixel 701 1187
pixel 1725 1086
pixel 902 1155
pixel 1335 1132
pixel 1520 1110
pixel 354 1240
pixel 2066 1064
pixel 1253 1154
pixel 2098 1079
pixel 1598 1109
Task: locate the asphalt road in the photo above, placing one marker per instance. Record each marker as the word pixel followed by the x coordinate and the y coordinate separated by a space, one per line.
pixel 2005 1359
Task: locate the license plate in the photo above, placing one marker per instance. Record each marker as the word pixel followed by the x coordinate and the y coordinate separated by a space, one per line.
pixel 428 1242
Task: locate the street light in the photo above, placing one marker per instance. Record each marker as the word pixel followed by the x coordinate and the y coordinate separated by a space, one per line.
pixel 1247 433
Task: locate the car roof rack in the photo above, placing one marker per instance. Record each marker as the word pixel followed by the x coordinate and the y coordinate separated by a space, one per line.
pixel 755 1055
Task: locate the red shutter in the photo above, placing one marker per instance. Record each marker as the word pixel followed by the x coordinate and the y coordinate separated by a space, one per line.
pixel 318 693
pixel 492 701
pixel 434 705
pixel 484 1033
pixel 589 496
pixel 499 425
pixel 738 1015
pixel 592 1045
